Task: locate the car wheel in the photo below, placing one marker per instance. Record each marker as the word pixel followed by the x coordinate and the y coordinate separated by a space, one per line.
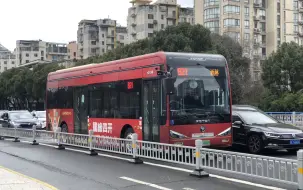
pixel 255 144
pixel 64 128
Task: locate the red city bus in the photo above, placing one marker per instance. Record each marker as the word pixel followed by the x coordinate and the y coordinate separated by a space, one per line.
pixel 163 97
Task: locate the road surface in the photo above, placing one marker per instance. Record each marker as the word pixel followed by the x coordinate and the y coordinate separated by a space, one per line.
pixel 66 169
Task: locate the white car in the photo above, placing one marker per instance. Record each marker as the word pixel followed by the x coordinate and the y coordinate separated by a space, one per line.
pixel 41 117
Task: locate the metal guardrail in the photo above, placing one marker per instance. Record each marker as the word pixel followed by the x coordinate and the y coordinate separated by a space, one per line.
pixel 293 118
pixel 264 167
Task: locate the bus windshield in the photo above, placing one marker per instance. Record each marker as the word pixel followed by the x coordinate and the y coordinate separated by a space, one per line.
pixel 201 96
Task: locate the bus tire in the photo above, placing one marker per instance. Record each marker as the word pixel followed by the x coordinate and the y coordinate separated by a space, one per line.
pixel 129 131
pixel 64 128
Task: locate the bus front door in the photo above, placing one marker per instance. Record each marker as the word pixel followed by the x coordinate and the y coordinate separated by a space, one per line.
pixel 81 110
pixel 151 106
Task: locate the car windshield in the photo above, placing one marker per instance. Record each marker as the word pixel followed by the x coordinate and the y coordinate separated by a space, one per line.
pixel 20 115
pixel 255 117
pixel 41 114
pixel 200 97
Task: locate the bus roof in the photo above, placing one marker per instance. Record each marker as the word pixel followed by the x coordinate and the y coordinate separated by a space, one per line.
pixel 118 63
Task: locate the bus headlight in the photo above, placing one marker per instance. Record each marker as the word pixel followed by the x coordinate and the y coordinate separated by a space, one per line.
pixel 226 132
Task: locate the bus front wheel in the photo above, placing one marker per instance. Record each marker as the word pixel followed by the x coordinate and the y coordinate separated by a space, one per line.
pixel 64 128
pixel 128 133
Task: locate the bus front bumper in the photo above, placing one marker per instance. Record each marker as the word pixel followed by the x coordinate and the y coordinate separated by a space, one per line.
pixel 224 141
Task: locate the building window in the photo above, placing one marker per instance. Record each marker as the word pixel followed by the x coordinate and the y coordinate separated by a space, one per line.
pixel 150 34
pixel 246 23
pixel 278 20
pixel 5 62
pixel 93 42
pixel 42 53
pixel 234 35
pixel 296 16
pixel 102 42
pixel 27 55
pixel 246 11
pixel 246 36
pixel 212 13
pixel 150 26
pixel 213 26
pixel 296 28
pixel 36 55
pixel 121 37
pixel 231 9
pixel 13 62
pixel 27 61
pixel 75 54
pixel 162 17
pixel 42 58
pixel 231 22
pixel 162 26
pixel 150 16
pixel 211 2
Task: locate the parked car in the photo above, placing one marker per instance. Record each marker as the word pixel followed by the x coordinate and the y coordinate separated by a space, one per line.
pixel 258 131
pixel 19 119
pixel 41 117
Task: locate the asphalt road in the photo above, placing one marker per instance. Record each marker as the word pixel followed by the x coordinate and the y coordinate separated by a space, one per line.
pixel 66 169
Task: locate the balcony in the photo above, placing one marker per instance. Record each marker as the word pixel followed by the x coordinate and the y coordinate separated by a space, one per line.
pixel 300 22
pixel 300 34
pixel 257 5
pixel 155 22
pixel 256 18
pixel 301 10
pixel 257 31
pixel 134 24
pixel 110 42
pixel 256 44
pixel 262 18
pixel 171 16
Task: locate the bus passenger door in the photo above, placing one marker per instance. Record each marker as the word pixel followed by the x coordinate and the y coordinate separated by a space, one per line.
pixel 151 110
pixel 81 110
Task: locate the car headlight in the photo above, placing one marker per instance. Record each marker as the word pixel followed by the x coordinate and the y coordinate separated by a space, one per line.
pixel 272 135
pixel 15 124
pixel 226 132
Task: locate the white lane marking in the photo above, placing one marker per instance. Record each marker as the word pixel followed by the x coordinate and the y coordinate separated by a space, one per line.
pixel 145 183
pixel 187 188
pixel 180 169
pixel 217 176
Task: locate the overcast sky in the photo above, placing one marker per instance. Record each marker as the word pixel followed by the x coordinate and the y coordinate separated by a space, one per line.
pixel 56 20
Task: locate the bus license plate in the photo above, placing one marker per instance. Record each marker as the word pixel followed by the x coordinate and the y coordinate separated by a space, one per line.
pixel 294 141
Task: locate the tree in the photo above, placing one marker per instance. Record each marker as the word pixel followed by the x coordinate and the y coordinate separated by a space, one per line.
pixel 283 69
pixel 21 88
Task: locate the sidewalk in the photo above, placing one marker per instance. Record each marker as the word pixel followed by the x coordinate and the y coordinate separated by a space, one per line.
pixel 11 180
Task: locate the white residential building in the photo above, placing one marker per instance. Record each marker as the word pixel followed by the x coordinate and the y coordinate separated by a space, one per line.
pixel 96 37
pixel 7 59
pixel 144 17
pixel 37 50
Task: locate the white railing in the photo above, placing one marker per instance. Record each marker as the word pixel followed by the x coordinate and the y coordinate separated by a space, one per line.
pixel 293 118
pixel 270 168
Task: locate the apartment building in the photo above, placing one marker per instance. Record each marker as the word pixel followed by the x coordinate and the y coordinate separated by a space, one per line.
pixel 7 59
pixel 260 26
pixel 37 50
pixel 144 17
pixel 72 49
pixel 96 37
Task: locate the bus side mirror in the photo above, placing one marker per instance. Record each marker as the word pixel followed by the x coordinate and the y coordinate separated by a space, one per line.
pixel 169 85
